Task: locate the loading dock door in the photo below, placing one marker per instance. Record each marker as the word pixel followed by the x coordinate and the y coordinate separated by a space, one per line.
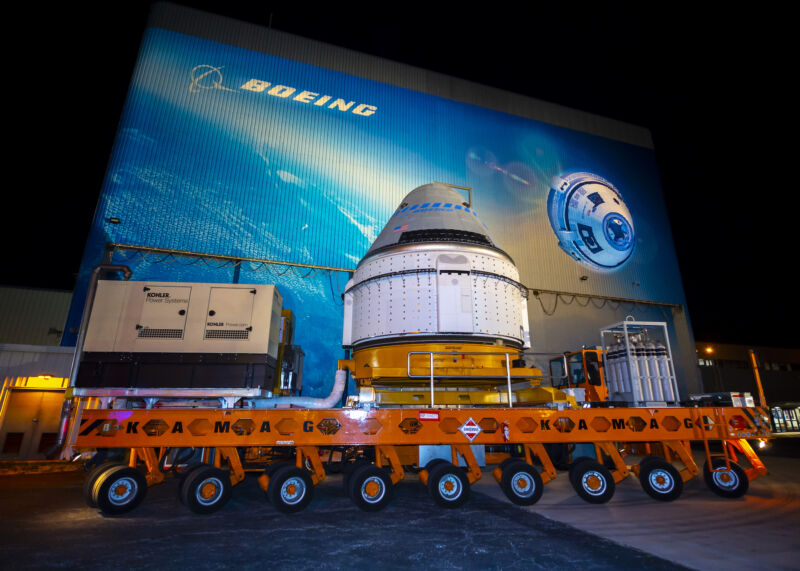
pixel 30 419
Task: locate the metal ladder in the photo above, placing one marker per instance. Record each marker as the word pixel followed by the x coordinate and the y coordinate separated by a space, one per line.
pixel 712 424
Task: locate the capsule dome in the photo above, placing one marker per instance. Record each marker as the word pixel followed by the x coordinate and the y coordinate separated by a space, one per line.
pixel 435 274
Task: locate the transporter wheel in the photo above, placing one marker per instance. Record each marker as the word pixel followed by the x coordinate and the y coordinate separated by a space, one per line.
pixel 89 491
pixel 593 482
pixel 660 479
pixel 508 461
pixel 521 483
pixel 120 489
pixel 431 465
pixel 648 459
pixel 206 489
pixel 183 474
pixel 448 485
pixel 290 489
pixel 270 470
pixel 349 470
pixel 732 483
pixel 435 462
pixel 371 488
pixel 573 469
pixel 275 466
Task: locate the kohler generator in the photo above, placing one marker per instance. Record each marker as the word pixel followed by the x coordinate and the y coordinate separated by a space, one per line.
pixel 181 335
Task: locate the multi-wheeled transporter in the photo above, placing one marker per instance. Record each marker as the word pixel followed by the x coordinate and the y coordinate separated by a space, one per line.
pixel 199 380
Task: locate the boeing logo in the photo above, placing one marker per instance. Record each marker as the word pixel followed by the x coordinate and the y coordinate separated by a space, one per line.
pixel 204 77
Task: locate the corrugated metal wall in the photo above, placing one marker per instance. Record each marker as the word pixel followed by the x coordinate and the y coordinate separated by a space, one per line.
pixel 32 361
pixel 32 316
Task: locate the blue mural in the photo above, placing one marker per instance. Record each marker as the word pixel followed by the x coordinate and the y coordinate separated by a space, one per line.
pixel 227 151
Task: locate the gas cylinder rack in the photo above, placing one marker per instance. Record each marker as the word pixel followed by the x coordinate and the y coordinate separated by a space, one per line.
pixel 638 363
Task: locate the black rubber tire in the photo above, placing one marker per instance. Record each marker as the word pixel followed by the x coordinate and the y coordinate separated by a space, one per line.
pixel 433 463
pixel 274 467
pixel 183 474
pixel 660 479
pixel 369 478
pixel 91 478
pixel 593 482
pixel 510 460
pixel 120 489
pixel 648 459
pixel 727 484
pixel 521 483
pixel 448 485
pixel 285 498
pixel 574 467
pixel 206 489
pixel 348 471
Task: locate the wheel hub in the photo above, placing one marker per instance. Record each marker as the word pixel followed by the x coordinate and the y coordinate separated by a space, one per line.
pixel 209 491
pixel 661 481
pixel 594 483
pixel 522 485
pixel 726 479
pixel 450 487
pixel 122 491
pixel 373 490
pixel 293 491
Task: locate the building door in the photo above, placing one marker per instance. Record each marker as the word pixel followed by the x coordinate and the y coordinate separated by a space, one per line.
pixel 30 423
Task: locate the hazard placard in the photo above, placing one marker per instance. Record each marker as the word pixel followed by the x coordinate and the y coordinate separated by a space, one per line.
pixel 470 429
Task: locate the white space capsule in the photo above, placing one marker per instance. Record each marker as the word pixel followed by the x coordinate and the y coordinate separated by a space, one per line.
pixel 434 274
pixel 591 221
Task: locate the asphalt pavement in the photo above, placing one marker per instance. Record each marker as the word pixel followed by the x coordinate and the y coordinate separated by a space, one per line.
pixel 45 523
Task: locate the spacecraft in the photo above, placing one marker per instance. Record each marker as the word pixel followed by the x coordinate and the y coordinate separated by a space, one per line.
pixel 435 292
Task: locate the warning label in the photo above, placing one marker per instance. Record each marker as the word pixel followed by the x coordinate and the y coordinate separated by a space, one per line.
pixel 470 429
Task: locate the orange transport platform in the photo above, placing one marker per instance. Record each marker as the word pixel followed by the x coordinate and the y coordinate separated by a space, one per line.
pixel 386 440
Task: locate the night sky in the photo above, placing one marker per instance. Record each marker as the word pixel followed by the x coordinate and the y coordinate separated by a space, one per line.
pixel 711 86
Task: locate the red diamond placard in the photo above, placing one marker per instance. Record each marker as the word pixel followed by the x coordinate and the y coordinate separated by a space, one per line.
pixel 470 429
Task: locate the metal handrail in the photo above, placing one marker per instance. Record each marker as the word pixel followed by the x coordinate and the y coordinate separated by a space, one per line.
pixel 432 377
pixel 507 376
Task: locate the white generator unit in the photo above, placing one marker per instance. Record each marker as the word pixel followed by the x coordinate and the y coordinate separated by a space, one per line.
pixel 182 335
